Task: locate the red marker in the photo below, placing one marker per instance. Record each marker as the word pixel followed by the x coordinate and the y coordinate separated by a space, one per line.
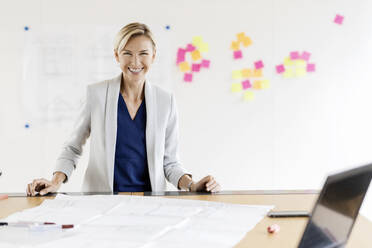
pixel 273 228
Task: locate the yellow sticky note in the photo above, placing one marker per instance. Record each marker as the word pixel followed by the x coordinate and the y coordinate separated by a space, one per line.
pixel 300 71
pixel 204 47
pixel 197 40
pixel 237 74
pixel 288 62
pixel 240 36
pixel 257 73
pixel 247 41
pixel 236 87
pixel 247 73
pixel 257 85
pixel 248 96
pixel 289 73
pixel 234 45
pixel 265 84
pixel 300 63
pixel 195 55
pixel 184 66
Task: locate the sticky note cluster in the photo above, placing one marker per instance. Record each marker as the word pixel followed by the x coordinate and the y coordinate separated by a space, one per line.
pixel 242 40
pixel 296 65
pixel 194 51
pixel 249 79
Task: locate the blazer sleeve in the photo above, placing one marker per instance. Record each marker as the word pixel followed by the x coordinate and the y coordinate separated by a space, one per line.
pixel 172 168
pixel 73 147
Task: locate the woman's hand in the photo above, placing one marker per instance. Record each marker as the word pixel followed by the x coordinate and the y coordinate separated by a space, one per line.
pixel 43 186
pixel 208 184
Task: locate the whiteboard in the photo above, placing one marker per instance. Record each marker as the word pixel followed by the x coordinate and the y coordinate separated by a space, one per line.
pixel 290 136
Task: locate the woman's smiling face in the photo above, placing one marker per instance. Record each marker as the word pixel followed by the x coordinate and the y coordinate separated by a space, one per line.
pixel 136 58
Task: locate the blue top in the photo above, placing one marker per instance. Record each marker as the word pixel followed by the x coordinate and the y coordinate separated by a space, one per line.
pixel 131 172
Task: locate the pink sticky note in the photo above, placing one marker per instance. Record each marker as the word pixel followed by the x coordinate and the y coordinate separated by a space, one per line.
pixel 339 19
pixel 258 64
pixel 190 48
pixel 205 63
pixel 238 54
pixel 187 77
pixel 246 84
pixel 280 68
pixel 294 55
pixel 195 67
pixel 310 68
pixel 305 55
pixel 181 55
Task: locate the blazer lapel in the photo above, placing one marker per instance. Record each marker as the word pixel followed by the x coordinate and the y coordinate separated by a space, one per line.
pixel 111 125
pixel 150 131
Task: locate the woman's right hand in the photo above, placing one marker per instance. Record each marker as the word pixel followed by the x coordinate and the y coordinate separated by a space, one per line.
pixel 44 186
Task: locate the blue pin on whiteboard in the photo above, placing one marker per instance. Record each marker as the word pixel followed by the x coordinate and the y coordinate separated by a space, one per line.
pixel 26 28
pixel 167 27
pixel 27 125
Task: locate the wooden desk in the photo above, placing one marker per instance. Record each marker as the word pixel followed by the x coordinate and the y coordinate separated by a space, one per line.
pixel 291 228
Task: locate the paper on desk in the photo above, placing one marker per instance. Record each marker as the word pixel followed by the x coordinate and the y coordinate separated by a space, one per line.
pixel 107 236
pixel 84 242
pixel 23 237
pixel 137 221
pixel 67 210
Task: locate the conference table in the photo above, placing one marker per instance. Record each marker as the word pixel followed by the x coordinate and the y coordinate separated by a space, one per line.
pixel 291 229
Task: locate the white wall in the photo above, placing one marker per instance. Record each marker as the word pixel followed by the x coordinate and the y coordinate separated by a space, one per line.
pixel 291 136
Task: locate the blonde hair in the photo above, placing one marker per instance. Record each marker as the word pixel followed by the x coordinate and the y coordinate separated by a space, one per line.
pixel 129 31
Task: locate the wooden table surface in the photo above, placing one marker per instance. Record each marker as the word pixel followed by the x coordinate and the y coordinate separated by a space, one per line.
pixel 291 228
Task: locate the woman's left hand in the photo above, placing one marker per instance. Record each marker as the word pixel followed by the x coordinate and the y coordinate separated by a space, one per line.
pixel 208 184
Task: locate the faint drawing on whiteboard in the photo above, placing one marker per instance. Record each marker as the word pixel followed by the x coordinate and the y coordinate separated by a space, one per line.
pixel 53 65
pixel 59 61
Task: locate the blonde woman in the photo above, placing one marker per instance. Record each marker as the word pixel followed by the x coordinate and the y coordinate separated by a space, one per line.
pixel 133 129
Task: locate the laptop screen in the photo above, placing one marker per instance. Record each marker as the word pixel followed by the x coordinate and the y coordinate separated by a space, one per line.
pixel 337 208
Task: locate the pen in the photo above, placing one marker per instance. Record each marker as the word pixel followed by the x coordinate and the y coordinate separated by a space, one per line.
pixel 18 224
pixel 48 227
pixel 25 223
pixel 35 225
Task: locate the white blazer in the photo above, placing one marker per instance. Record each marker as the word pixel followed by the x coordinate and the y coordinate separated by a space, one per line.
pixel 98 119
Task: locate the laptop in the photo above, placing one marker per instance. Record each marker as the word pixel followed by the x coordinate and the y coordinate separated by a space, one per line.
pixel 336 209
